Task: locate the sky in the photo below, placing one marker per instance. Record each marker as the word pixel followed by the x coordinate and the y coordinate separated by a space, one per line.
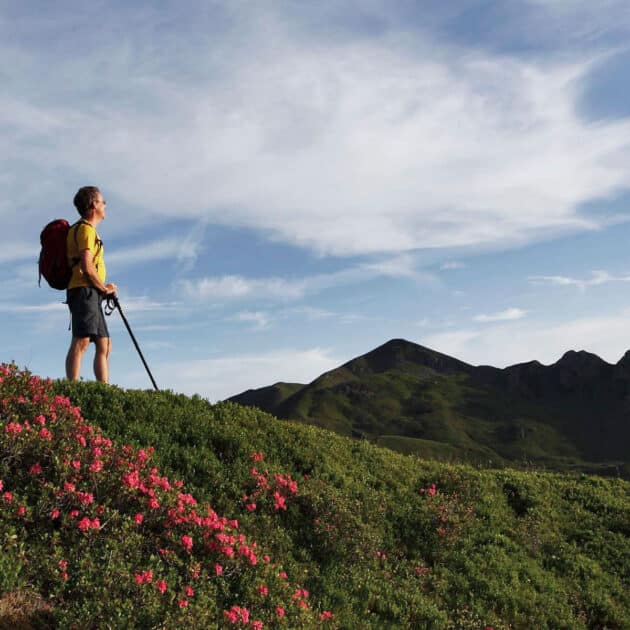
pixel 290 184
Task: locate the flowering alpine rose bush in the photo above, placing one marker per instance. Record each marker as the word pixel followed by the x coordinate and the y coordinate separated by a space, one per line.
pixel 537 550
pixel 110 542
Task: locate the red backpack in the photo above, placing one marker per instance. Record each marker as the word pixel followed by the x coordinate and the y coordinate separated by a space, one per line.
pixel 53 261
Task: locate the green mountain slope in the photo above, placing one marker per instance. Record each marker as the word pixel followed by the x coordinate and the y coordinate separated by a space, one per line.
pixel 574 414
pixel 378 539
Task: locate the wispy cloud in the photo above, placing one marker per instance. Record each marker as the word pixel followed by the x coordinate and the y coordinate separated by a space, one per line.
pixel 451 264
pixel 144 304
pixel 597 278
pixel 236 287
pixel 179 249
pixel 508 314
pixel 33 308
pixel 12 252
pixel 500 345
pixel 286 289
pixel 376 163
pixel 221 377
pixel 259 319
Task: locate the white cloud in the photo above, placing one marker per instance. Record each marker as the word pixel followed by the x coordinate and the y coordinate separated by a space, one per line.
pixel 402 266
pixel 352 147
pixel 507 314
pixel 167 248
pixel 32 308
pixel 144 304
pixel 597 278
pixel 235 287
pixel 452 264
pixel 503 345
pixel 219 378
pixel 276 288
pixel 260 319
pixel 12 252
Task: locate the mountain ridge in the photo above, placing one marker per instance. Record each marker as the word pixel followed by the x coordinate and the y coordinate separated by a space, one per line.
pixel 574 413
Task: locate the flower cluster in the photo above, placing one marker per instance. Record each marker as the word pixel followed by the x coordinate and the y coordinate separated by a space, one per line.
pixel 71 482
pixel 280 488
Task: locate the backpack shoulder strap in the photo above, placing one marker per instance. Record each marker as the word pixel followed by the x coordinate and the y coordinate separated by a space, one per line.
pixel 76 227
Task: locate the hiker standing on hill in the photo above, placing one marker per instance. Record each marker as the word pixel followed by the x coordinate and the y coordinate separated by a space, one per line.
pixel 87 286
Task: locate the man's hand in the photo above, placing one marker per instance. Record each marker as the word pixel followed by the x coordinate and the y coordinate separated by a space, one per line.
pixel 111 289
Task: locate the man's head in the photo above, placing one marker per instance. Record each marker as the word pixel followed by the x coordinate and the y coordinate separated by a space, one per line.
pixel 89 199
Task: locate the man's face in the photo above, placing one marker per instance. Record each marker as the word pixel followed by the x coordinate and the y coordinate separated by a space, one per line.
pixel 100 206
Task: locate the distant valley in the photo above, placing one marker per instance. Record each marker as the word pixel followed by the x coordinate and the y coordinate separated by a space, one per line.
pixel 572 415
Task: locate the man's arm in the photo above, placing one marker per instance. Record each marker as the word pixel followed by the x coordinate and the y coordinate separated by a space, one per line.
pixel 86 263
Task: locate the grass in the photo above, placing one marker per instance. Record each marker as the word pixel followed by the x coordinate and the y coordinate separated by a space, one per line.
pixel 380 539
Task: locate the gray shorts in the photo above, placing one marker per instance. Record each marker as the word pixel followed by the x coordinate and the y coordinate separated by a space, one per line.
pixel 88 320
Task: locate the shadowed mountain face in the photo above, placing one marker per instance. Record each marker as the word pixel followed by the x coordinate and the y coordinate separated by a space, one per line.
pixel 574 414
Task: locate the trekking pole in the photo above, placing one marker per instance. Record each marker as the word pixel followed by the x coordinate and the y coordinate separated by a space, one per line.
pixel 135 343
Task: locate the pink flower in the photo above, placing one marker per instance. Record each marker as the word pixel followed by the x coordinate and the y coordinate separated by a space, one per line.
pixel 432 490
pixel 257 625
pixel 300 593
pixel 236 614
pixel 231 616
pixel 45 434
pixel 257 457
pixel 250 507
pixel 143 578
pixel 21 511
pixel 54 514
pixel 68 487
pixel 218 569
pixel 40 420
pixel 138 518
pixel 8 497
pixel 1 484
pixel 96 466
pixel 84 524
pixel 326 615
pixel 279 611
pixel 280 503
pixel 14 428
pixel 183 603
pixel 161 586
pixel 35 469
pixel 63 564
pixel 86 498
pixel 76 464
pixel 263 590
pixel 187 542
pixel 189 591
pixel 74 513
pixel 153 503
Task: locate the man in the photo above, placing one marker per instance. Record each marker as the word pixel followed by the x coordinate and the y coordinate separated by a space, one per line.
pixel 87 286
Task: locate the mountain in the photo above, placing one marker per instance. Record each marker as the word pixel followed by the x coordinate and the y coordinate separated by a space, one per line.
pixel 574 414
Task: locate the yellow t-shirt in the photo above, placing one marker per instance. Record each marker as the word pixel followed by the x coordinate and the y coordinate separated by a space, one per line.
pixel 86 238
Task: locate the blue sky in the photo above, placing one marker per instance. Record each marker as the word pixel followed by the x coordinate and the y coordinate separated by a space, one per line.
pixel 291 184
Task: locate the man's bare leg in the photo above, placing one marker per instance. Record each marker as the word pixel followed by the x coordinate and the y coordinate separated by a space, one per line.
pixel 101 358
pixel 78 346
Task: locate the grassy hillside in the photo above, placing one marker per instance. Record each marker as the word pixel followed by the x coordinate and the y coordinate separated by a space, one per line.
pixel 366 537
